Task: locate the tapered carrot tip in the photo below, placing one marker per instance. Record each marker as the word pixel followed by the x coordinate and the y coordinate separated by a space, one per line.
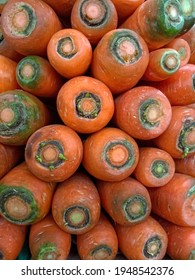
pixel 88 105
pixel 7 115
pixel 21 20
pixel 76 217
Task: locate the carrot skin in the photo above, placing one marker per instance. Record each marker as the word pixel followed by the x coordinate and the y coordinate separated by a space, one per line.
pixel 54 152
pixel 85 104
pixel 76 204
pixel 175 200
pixel 12 239
pixel 7 74
pixel 189 36
pixel 61 7
pixel 24 199
pixel 110 154
pixel 127 202
pixel 47 241
pixel 136 241
pixel 185 165
pixel 100 243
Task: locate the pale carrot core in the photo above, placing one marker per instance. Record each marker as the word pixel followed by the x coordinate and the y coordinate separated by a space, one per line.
pixel 27 70
pixel 127 51
pixel 152 248
pixel 173 11
pixel 93 10
pixel 87 105
pixel 101 254
pixel 20 20
pixel 7 115
pixel 135 207
pixel 153 113
pixel 190 137
pixel 17 208
pixel 50 153
pixel 76 217
pixel 171 62
pixel 67 47
pixel 49 256
pixel 118 155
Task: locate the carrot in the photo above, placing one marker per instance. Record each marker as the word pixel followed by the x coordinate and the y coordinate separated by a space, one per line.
pixel 94 18
pixel 175 200
pixel 100 243
pixel 179 138
pixel 143 241
pixel 189 36
pixel 28 26
pixel 69 52
pixel 188 8
pixel 85 104
pixel 24 199
pixel 76 204
pixel 12 239
pixel 7 74
pixel 110 154
pixel 181 240
pixel 2 4
pixel 47 241
pixel 143 112
pixel 35 75
pixel 127 202
pixel 61 7
pixel 186 165
pixel 9 157
pixel 158 22
pixel 183 48
pixel 125 8
pixel 21 114
pixel 53 152
pixel 124 61
pixel 171 87
pixel 163 63
pixel 155 167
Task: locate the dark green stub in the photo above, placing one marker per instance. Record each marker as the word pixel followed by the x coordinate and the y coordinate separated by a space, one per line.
pixel 50 154
pixel 183 143
pixel 192 255
pixel 77 217
pixel 21 20
pixel 94 22
pixel 152 247
pixel 125 47
pixel 66 47
pixel 47 251
pixel 17 205
pixel 159 168
pixel 119 154
pixel 170 18
pixel 88 105
pixel 188 8
pixel 191 191
pixel 150 113
pixel 101 252
pixel 135 208
pixel 28 72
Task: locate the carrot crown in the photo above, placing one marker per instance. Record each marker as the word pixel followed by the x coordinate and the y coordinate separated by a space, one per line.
pixel 159 168
pixel 101 252
pixel 152 247
pixel 76 217
pixel 186 141
pixel 66 47
pixel 150 113
pixel 188 8
pixel 47 251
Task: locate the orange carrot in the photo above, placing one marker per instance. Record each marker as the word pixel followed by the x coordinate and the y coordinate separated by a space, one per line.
pixel 69 52
pixel 35 75
pixel 94 18
pixel 61 7
pixel 54 152
pixel 9 157
pixel 28 26
pixel 189 36
pixel 175 201
pixel 110 154
pixel 186 165
pixel 76 204
pixel 179 138
pixel 158 22
pixel 182 47
pixel 12 239
pixel 181 240
pixel 155 167
pixel 143 112
pixel 188 9
pixel 125 8
pixel 47 241
pixel 2 4
pixel 24 199
pixel 127 202
pixel 85 104
pixel 21 114
pixel 171 87
pixel 124 61
pixel 144 241
pixel 100 243
pixel 163 63
pixel 7 74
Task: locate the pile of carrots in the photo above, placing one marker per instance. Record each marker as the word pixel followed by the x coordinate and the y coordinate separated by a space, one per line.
pixel 97 129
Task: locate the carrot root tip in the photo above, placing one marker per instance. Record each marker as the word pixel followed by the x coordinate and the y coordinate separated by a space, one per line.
pixel 76 217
